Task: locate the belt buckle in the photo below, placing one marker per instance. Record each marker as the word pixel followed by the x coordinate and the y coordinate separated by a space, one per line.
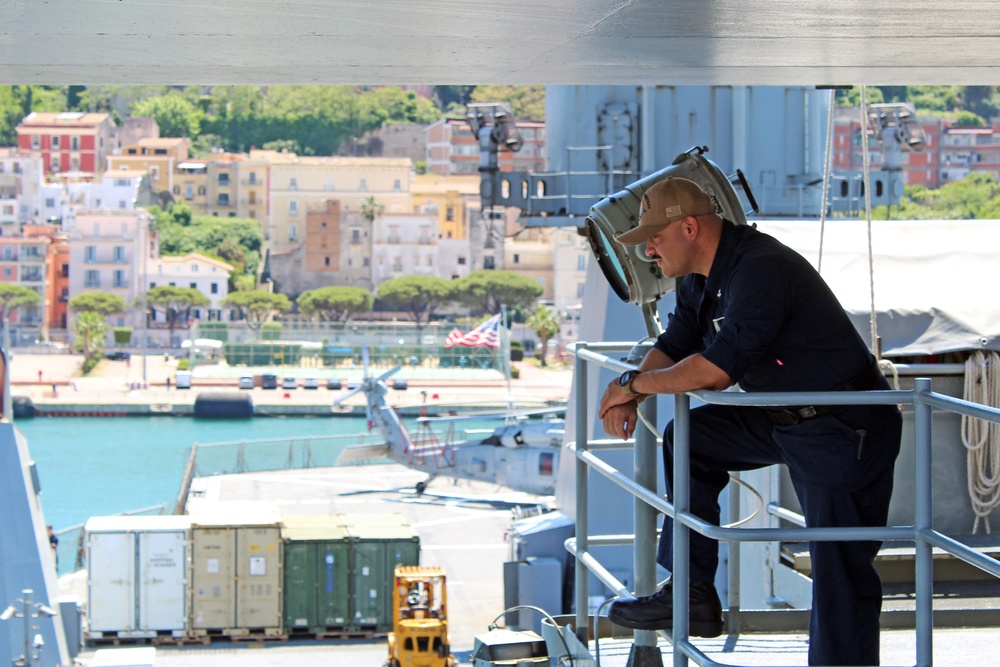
pixel 807 412
pixel 784 417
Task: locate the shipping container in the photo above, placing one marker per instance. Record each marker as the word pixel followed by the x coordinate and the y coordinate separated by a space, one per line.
pixel 236 560
pixel 137 569
pixel 317 574
pixel 380 542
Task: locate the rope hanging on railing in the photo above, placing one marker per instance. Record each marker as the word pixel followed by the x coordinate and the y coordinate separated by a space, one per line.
pixel 982 438
pixel 868 216
pixel 827 165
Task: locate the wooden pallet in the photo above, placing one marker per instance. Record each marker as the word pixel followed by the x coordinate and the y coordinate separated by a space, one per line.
pixel 118 639
pixel 170 640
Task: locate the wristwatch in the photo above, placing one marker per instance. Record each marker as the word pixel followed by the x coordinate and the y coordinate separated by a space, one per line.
pixel 625 382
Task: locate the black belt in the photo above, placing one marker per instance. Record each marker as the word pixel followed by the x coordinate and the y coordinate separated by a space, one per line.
pixel 791 416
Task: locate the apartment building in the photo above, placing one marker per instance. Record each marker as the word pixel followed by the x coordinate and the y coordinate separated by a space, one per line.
pixel 949 153
pixel 159 157
pixel 532 256
pixel 450 197
pixel 20 187
pixel 68 141
pixel 298 183
pixel 251 177
pixel 205 274
pixel 453 149
pixel 24 260
pixel 405 244
pixel 110 250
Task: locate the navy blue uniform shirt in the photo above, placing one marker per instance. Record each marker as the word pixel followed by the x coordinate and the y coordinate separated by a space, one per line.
pixel 765 317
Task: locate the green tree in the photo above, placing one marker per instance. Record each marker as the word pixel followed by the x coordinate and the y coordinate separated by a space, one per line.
pixel 14 296
pixel 371 209
pixel 526 102
pixel 544 323
pixel 175 302
pixel 258 306
pixel 977 196
pixel 418 296
pixel 175 114
pixel 335 303
pixel 102 303
pixel 91 330
pixel 487 290
pixel 968 119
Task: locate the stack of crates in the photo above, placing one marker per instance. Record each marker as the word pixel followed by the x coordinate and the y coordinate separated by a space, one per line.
pixel 380 542
pixel 236 571
pixel 339 572
pixel 317 576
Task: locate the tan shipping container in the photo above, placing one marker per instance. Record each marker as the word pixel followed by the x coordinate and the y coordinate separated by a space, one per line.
pixel 236 573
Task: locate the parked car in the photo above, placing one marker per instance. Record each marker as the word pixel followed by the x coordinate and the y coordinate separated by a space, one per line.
pixel 246 382
pixel 334 384
pixel 290 382
pixel 118 355
pixel 310 382
pixel 183 379
pixel 268 381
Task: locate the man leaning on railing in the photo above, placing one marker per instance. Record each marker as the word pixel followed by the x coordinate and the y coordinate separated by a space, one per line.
pixel 753 312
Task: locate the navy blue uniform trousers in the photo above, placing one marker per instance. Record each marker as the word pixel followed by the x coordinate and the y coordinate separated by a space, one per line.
pixel 841 467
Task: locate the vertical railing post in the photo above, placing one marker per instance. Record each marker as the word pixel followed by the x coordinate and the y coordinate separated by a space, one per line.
pixel 681 538
pixel 924 513
pixel 733 568
pixel 581 573
pixel 644 651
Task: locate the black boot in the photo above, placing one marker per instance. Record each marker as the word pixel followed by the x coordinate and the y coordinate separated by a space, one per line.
pixel 656 611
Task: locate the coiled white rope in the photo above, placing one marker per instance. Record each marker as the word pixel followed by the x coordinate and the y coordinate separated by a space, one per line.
pixel 982 438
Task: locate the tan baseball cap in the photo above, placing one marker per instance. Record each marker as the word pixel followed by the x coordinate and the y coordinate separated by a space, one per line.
pixel 667 201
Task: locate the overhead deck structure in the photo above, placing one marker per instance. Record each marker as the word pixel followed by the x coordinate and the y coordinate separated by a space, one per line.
pixel 667 42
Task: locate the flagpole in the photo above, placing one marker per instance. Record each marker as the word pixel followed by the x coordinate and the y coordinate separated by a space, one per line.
pixel 505 350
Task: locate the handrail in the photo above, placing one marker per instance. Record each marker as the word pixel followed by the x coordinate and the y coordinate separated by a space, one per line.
pixel 644 491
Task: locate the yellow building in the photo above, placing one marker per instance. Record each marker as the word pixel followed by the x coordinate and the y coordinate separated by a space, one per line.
pixel 451 197
pixel 157 157
pixel 298 184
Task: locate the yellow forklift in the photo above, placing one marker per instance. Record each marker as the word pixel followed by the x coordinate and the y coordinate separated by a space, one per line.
pixel 419 636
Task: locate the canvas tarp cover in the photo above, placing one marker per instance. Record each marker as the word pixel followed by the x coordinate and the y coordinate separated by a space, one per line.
pixel 936 281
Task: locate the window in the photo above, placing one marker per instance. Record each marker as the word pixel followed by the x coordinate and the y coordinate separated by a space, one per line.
pixel 579 290
pixel 364 262
pixel 74 143
pixel 36 142
pixel 119 278
pixel 489 263
pixel 193 285
pixel 74 163
pixel 293 183
pixel 214 288
pixel 7 272
pixel 55 143
pixel 122 204
pixel 517 259
pixel 223 199
pixel 201 190
pixel 461 261
pixel 396 186
pixel 119 254
pixel 581 263
pixel 55 163
pixel 90 254
pixel 64 270
pixel 188 192
pixel 355 236
pixel 450 214
pixel 363 186
pixel 224 178
pixel 328 185
pixel 326 261
pixel 50 202
pixel 253 178
pixel 154 173
pixel 92 278
pixel 293 232
pixel 177 189
pixel 293 207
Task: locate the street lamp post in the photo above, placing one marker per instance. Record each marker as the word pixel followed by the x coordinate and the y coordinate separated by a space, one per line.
pixel 28 612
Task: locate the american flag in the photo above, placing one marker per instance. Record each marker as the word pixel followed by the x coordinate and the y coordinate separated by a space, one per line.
pixel 486 334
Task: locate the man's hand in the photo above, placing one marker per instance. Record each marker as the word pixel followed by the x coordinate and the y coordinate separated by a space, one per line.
pixel 619 421
pixel 613 395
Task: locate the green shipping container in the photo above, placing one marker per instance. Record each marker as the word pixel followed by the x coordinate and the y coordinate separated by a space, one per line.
pixel 317 574
pixel 380 543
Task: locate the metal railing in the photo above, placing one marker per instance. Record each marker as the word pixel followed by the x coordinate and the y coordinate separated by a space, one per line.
pixel 642 485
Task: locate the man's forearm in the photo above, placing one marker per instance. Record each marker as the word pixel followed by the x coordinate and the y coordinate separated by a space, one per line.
pixel 661 376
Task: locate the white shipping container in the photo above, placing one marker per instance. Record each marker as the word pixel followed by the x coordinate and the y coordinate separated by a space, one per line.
pixel 137 575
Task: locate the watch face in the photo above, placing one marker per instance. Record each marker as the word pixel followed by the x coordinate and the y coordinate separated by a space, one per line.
pixel 625 378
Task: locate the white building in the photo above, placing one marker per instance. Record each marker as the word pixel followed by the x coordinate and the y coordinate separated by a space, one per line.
pixel 20 187
pixel 405 244
pixel 117 190
pixel 106 253
pixel 205 274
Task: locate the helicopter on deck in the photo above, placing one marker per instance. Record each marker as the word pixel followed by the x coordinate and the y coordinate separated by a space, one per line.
pixel 520 455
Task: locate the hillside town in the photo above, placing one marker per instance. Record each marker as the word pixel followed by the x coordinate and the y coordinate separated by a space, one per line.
pixel 75 195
